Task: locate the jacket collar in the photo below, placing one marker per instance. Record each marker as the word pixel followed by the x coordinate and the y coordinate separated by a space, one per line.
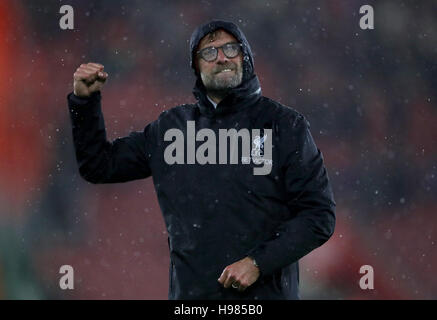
pixel 238 98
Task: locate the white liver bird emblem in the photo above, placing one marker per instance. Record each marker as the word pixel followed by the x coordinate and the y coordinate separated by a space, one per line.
pixel 258 143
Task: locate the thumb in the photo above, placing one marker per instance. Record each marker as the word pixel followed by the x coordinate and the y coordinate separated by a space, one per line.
pixel 223 276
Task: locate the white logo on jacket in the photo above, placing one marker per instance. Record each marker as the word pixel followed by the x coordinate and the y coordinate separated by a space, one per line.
pixel 257 153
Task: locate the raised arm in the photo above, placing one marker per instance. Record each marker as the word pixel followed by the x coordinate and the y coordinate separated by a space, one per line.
pixel 99 160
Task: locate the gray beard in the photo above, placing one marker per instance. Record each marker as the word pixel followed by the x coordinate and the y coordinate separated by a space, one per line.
pixel 218 87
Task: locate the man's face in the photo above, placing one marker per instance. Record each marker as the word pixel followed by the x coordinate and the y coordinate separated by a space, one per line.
pixel 215 75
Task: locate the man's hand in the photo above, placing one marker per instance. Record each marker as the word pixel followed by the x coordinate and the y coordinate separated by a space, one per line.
pixel 240 274
pixel 89 78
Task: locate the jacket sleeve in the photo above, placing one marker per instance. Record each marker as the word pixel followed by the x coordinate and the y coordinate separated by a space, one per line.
pixel 102 161
pixel 309 198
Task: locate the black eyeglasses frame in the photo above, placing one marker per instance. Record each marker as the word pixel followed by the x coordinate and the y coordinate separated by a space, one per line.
pixel 217 48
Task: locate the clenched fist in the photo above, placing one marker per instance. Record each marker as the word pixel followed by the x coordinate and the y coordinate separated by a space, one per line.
pixel 89 78
pixel 240 274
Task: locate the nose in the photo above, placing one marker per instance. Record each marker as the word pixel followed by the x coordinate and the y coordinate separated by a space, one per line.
pixel 221 58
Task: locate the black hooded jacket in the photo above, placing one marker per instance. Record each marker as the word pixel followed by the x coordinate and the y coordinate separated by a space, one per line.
pixel 217 214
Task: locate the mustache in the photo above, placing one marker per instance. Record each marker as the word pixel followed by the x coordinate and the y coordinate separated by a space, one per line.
pixel 223 67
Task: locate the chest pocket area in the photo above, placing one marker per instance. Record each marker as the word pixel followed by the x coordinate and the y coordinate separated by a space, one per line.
pixel 260 172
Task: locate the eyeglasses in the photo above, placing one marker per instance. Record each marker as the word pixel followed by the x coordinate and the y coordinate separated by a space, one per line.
pixel 230 50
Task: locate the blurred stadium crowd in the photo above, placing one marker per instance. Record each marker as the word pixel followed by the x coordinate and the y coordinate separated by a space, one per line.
pixel 370 96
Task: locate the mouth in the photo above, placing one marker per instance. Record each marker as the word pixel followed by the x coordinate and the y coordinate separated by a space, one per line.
pixel 225 70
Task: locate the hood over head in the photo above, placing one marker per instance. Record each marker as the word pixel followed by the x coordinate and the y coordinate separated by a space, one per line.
pixel 203 30
pixel 249 84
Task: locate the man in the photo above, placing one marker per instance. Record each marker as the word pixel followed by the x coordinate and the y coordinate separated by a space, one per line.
pixel 234 232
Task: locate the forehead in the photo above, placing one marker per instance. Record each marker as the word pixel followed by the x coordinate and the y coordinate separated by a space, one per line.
pixel 216 37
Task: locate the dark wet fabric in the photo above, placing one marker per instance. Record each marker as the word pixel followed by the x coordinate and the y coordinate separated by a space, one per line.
pixel 217 214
